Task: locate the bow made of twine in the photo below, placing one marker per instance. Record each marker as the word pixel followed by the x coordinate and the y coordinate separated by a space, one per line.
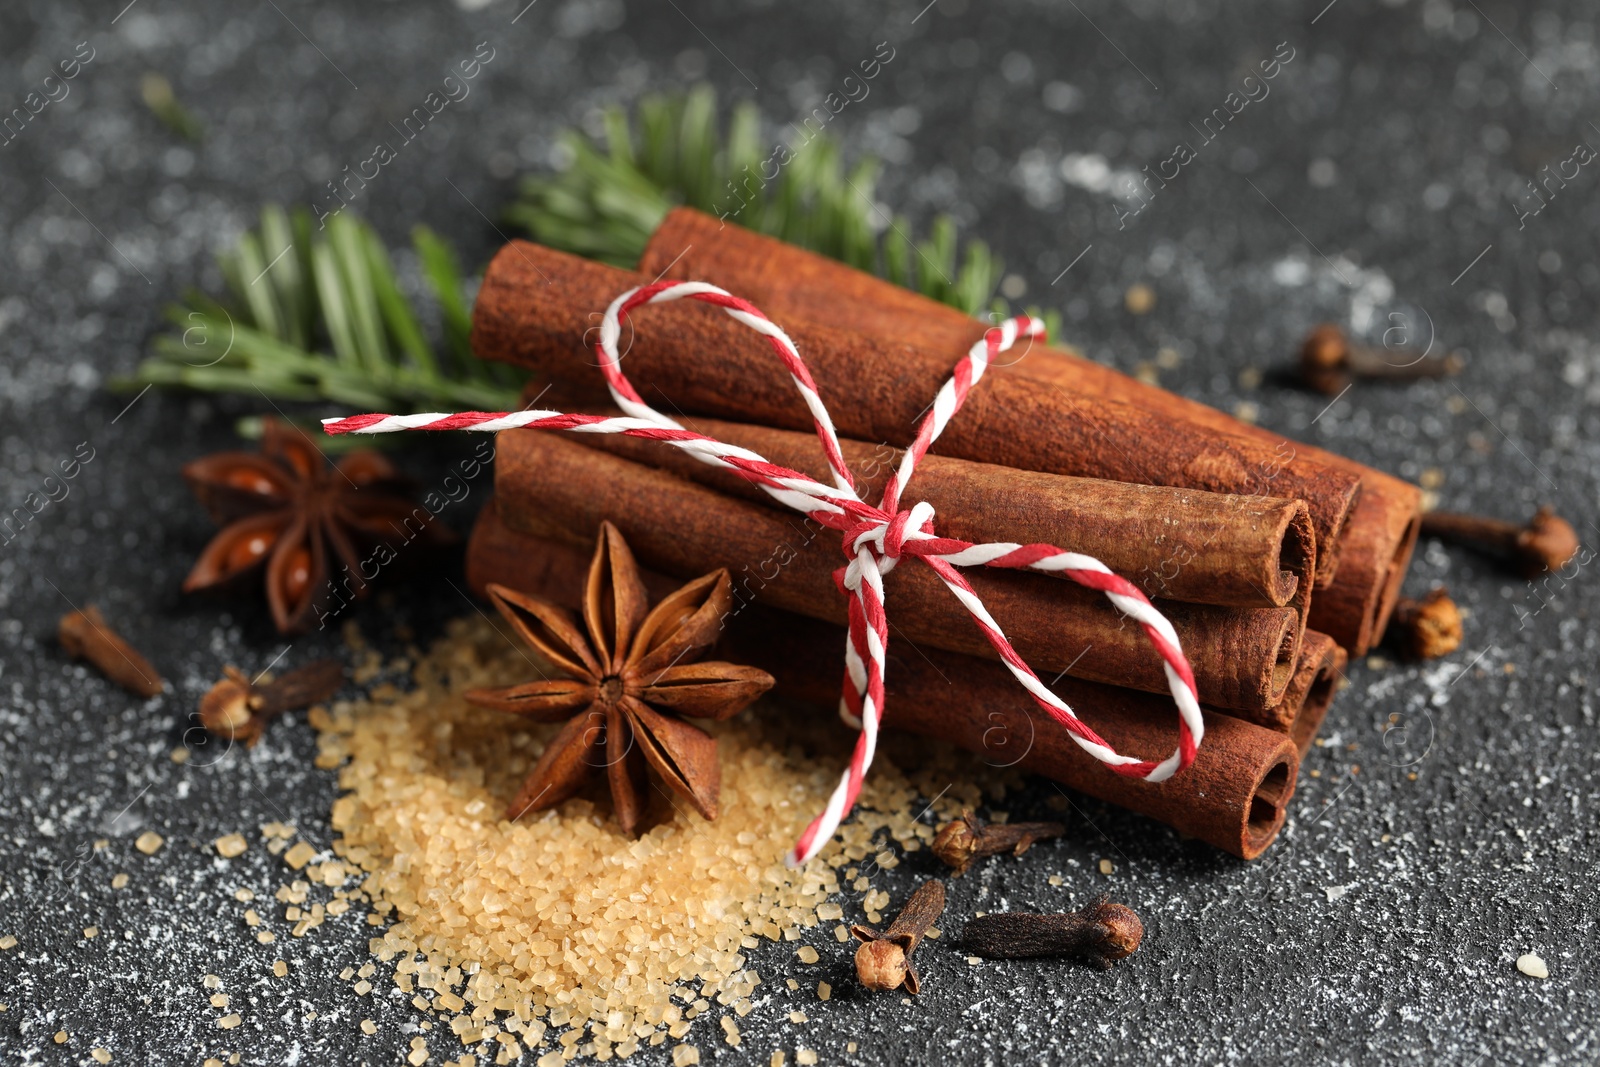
pixel 875 537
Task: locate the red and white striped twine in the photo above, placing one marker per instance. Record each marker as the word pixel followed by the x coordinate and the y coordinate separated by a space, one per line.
pixel 874 537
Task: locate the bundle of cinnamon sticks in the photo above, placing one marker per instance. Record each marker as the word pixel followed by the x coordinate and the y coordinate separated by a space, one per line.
pixel 1274 561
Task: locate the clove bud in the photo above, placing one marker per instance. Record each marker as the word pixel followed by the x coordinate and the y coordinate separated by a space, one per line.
pixel 1102 933
pixel 1328 362
pixel 883 962
pixel 86 635
pixel 1426 628
pixel 969 838
pixel 238 710
pixel 1546 543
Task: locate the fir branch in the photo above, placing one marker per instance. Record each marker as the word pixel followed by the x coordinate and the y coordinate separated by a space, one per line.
pixel 611 196
pixel 323 318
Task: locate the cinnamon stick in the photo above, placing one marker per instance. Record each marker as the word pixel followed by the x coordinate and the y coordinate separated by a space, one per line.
pixel 1364 568
pixel 1176 544
pixel 1234 796
pixel 536 305
pixel 551 486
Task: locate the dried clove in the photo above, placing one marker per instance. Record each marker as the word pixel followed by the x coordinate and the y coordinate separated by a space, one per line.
pixel 1328 362
pixel 238 710
pixel 1102 933
pixel 969 838
pixel 1546 543
pixel 883 962
pixel 86 635
pixel 1426 628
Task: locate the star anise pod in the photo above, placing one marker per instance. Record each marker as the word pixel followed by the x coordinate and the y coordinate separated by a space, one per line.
pixel 289 510
pixel 627 682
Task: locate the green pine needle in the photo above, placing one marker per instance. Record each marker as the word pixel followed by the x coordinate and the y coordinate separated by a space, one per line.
pixel 321 317
pixel 613 195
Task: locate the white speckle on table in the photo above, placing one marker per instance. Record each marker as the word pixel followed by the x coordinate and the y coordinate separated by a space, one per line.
pixel 1533 965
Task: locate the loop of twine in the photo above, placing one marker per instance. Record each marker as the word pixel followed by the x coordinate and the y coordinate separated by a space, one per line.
pixel 874 539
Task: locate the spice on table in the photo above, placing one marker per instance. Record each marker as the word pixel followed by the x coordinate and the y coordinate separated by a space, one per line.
pixel 883 962
pixel 969 838
pixel 1102 933
pixel 1426 628
pixel 627 682
pixel 289 511
pixel 1328 362
pixel 1546 543
pixel 86 635
pixel 236 709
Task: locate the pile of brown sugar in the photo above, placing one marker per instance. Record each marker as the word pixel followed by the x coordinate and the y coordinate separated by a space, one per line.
pixel 558 929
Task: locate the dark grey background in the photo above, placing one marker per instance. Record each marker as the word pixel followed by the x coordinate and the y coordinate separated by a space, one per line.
pixel 1377 178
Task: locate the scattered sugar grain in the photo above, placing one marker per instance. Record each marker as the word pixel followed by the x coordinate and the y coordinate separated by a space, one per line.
pixel 798 1017
pixel 805 1056
pixel 824 990
pixel 228 1022
pixel 280 969
pixel 807 954
pixel 91 932
pixel 149 842
pixel 103 1055
pixel 368 1027
pixel 685 1056
pixel 300 855
pixel 230 845
pixel 1106 867
pixel 119 880
pixel 61 1037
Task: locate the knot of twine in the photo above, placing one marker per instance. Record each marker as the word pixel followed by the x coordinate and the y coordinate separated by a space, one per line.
pixel 874 538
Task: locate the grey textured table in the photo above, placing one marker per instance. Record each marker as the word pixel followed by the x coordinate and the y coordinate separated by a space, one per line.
pixel 1377 183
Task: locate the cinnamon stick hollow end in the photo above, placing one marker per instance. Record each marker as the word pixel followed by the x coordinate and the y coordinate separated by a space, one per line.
pixel 1322 668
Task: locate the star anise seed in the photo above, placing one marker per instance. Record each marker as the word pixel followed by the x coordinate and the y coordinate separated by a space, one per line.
pixel 288 510
pixel 629 676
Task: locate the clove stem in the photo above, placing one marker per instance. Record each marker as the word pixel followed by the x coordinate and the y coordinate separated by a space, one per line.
pixel 968 838
pixel 883 962
pixel 1102 933
pixel 1545 543
pixel 86 635
pixel 1328 361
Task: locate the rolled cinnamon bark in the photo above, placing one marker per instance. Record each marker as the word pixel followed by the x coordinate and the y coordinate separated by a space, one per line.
pixel 1234 796
pixel 536 305
pixel 789 283
pixel 1316 681
pixel 1176 544
pixel 553 487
